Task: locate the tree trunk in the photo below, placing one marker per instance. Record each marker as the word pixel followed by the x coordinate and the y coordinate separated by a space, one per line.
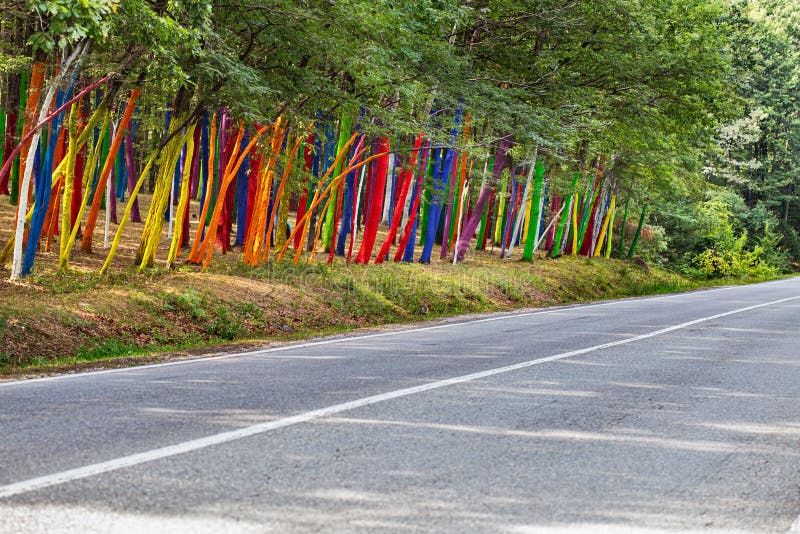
pixel 483 198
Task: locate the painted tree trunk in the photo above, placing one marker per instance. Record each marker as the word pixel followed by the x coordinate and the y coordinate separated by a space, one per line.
pixel 42 186
pixel 609 241
pixel 27 161
pixel 225 223
pixel 430 177
pixel 183 202
pixel 308 162
pixel 622 229
pixel 194 183
pixel 587 229
pixel 51 227
pixel 461 198
pixel 408 177
pixel 280 207
pixel 19 128
pixel 638 233
pixel 508 218
pixel 555 208
pixel 330 215
pixel 340 199
pixel 136 216
pixel 154 222
pixel 231 171
pixel 9 132
pixel 4 179
pixel 111 201
pixel 91 220
pixel 536 214
pixel 348 208
pixel 242 187
pixel 354 216
pixel 405 248
pixel 523 219
pixel 374 209
pixel 256 168
pixel 450 208
pixel 204 155
pixel 604 230
pixel 67 198
pixel 437 191
pixel 483 198
pixel 211 144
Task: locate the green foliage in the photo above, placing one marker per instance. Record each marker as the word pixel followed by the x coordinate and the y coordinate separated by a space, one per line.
pixel 732 260
pixel 758 152
pixel 225 325
pixel 721 236
pixel 790 239
pixel 63 23
pixel 12 63
pixel 725 247
pixel 103 349
pixel 216 319
pixel 653 246
pixel 189 302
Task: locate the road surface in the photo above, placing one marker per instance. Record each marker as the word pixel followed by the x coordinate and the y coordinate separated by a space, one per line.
pixel 670 413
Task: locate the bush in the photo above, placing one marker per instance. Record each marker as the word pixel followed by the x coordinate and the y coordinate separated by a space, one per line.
pixel 721 237
pixel 729 250
pixel 653 245
pixel 733 261
pixel 790 240
pixel 225 325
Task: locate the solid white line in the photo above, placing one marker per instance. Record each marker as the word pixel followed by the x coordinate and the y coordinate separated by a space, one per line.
pixel 346 338
pixel 795 528
pixel 224 437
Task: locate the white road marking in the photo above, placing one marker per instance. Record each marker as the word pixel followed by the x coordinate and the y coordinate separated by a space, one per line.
pixel 345 339
pixel 795 528
pixel 55 479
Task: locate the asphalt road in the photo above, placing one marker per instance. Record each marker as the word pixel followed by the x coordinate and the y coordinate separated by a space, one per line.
pixel 673 413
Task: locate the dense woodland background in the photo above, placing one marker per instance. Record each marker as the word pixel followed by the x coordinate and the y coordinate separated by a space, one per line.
pixel 692 103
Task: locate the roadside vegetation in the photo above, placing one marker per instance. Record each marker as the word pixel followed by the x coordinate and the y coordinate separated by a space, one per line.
pixel 62 322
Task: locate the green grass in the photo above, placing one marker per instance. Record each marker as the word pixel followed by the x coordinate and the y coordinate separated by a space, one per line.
pixel 104 349
pixel 96 350
pixel 78 318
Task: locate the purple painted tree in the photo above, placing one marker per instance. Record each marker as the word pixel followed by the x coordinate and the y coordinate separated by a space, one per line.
pixel 483 199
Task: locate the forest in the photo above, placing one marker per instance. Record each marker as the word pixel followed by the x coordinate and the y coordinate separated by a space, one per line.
pixel 666 130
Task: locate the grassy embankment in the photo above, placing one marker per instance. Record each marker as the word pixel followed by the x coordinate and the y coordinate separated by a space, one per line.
pixel 58 322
